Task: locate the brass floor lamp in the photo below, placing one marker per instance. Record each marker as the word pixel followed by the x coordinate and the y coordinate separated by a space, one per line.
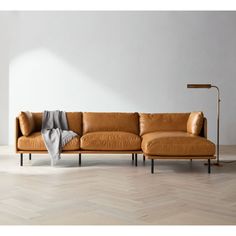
pixel 208 86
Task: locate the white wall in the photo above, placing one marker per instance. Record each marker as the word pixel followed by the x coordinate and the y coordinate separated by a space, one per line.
pixel 125 61
pixel 4 75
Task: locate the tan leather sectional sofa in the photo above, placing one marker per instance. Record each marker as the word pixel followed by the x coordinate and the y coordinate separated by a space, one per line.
pixel 156 136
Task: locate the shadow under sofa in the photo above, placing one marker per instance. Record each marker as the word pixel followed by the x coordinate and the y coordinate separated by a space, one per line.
pixel 156 136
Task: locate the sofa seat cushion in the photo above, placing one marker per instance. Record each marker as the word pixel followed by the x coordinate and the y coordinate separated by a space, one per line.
pixel 176 144
pixel 34 142
pixel 110 141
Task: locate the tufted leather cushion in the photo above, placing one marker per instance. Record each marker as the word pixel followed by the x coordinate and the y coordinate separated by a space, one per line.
pixel 163 122
pixel 195 122
pixel 106 140
pixel 35 142
pixel 74 120
pixel 26 121
pixel 176 144
pixel 110 121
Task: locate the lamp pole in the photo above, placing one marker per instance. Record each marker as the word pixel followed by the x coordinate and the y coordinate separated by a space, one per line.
pixel 218 125
pixel 208 86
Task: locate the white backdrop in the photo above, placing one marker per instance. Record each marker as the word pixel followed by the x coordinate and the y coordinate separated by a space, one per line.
pixel 124 61
pixel 4 77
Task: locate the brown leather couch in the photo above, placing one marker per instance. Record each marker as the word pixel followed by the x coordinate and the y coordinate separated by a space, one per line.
pixel 156 136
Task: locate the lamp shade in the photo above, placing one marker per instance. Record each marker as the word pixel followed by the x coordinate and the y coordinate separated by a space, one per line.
pixel 199 86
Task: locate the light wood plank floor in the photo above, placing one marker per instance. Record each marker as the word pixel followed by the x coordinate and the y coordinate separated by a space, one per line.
pixel 108 189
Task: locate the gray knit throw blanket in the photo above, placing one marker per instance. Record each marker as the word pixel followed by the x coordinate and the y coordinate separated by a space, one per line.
pixel 55 133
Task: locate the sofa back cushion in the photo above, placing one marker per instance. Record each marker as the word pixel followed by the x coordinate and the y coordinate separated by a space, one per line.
pixel 195 123
pixel 26 121
pixel 74 120
pixel 38 116
pixel 163 122
pixel 110 121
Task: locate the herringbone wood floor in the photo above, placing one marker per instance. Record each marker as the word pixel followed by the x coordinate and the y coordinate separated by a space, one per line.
pixel 108 189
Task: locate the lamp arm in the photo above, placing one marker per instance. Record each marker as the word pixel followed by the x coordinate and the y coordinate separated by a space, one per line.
pixel 218 92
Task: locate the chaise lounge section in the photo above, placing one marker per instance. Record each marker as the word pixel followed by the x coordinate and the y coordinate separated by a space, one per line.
pixel 175 136
pixel 156 136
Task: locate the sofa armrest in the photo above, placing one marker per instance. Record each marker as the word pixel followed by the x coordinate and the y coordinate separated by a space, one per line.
pixel 203 132
pixel 17 132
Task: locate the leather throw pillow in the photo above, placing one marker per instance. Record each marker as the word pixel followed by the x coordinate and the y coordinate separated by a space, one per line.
pixel 195 122
pixel 26 123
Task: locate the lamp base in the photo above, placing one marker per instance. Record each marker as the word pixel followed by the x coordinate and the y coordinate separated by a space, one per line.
pixel 214 164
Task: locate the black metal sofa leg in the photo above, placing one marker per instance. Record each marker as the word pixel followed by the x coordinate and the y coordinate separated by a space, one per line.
pixel 79 159
pixel 132 156
pixel 21 159
pixel 30 156
pixel 209 166
pixel 152 166
pixel 144 158
pixel 136 159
